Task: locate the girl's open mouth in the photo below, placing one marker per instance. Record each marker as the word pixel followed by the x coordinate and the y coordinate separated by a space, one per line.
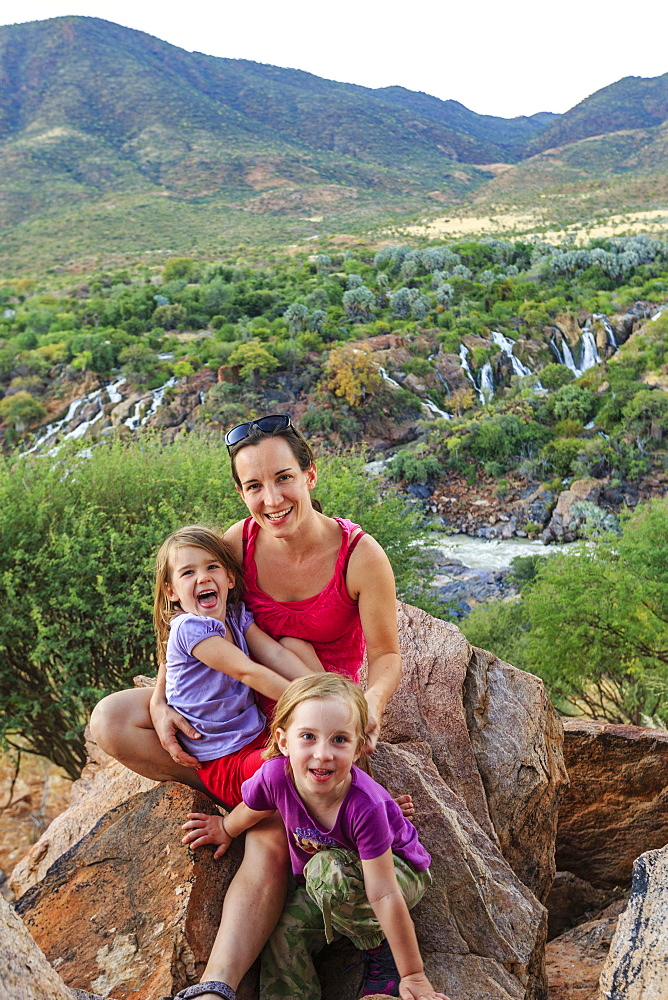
pixel 207 599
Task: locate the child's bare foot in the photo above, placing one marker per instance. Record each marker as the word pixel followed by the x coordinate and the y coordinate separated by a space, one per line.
pixel 405 803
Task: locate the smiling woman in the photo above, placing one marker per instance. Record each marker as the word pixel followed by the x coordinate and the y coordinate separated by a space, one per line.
pixel 306 577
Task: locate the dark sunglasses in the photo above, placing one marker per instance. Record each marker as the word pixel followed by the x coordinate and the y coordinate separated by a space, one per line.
pixel 274 422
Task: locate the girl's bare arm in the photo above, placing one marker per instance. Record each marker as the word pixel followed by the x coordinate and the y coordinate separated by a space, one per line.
pixel 390 908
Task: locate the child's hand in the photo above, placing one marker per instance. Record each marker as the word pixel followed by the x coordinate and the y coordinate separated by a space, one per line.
pixel 204 828
pixel 418 987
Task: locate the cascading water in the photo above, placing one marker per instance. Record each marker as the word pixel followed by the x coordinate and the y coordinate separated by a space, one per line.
pixel 563 352
pixel 506 345
pixel 590 356
pixel 480 389
pixel 137 418
pixel 486 382
pixel 608 329
pixel 431 406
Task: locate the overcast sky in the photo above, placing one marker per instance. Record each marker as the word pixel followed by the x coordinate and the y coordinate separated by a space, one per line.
pixel 498 57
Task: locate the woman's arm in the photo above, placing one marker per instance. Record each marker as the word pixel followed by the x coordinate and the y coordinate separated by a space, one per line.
pixel 384 894
pixel 219 654
pixel 167 722
pixel 204 828
pixel 370 581
pixel 290 658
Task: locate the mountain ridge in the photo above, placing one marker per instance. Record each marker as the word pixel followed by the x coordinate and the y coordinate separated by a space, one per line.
pixel 91 110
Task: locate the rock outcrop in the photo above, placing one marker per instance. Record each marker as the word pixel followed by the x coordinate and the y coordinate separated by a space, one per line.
pixel 637 965
pixel 564 524
pixel 25 974
pixel 127 910
pixel 616 807
pixel 575 960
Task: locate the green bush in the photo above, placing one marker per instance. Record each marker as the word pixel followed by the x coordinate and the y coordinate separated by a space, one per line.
pixel 76 574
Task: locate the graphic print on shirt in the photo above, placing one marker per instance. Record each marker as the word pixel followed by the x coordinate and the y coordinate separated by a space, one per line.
pixel 311 840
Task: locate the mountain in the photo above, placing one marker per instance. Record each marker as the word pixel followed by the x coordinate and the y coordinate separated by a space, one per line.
pixel 113 141
pixel 632 103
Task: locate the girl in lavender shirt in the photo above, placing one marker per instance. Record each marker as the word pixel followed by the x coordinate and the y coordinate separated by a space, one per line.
pixel 216 658
pixel 357 860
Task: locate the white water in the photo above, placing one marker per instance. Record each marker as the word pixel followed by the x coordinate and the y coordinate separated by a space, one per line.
pixel 433 408
pixel 137 418
pixel 564 355
pixel 479 553
pixel 608 329
pixel 506 345
pixel 590 356
pixel 463 357
pixel 486 382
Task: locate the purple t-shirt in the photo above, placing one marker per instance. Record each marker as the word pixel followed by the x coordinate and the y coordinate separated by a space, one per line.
pixel 369 820
pixel 221 708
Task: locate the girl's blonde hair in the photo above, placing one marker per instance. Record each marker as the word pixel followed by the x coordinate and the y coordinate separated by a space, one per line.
pixel 318 686
pixel 209 539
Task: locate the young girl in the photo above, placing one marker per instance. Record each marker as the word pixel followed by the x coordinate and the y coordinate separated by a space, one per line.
pixel 216 657
pixel 358 861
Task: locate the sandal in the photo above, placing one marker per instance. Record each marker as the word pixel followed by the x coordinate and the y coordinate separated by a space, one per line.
pixel 199 989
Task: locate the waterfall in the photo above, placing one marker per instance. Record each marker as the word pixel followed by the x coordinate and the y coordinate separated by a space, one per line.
pixel 590 355
pixel 433 408
pixel 383 374
pixel 137 420
pixel 486 374
pixel 608 329
pixel 506 345
pixel 486 382
pixel 564 356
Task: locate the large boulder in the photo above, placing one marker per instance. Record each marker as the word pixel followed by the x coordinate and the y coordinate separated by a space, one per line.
pixel 576 958
pixel 565 523
pixel 637 964
pixel 104 784
pixel 128 910
pixel 617 805
pixel 25 973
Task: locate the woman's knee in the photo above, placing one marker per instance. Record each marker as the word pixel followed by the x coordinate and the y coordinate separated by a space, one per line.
pixel 267 847
pixel 114 716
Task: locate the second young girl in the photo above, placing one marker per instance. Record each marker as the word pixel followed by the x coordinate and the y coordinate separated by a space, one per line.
pixel 216 658
pixel 357 860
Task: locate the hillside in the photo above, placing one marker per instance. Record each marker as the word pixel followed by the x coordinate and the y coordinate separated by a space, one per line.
pixel 114 143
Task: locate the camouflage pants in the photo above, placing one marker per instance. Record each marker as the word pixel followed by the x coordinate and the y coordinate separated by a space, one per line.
pixel 332 903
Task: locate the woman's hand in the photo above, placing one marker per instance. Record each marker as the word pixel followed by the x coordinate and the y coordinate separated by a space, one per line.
pixel 203 828
pixel 167 722
pixel 418 987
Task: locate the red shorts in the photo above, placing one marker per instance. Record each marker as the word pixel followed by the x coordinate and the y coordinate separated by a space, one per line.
pixel 225 775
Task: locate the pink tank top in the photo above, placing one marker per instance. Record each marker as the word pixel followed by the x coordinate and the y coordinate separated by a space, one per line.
pixel 330 620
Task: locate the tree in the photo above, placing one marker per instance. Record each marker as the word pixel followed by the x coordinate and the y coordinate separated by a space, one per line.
pixel 296 316
pixel 352 374
pixel 647 413
pixel 254 360
pixel 20 410
pixel 358 303
pixel 76 575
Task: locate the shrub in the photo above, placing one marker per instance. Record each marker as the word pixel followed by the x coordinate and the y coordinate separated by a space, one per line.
pixel 76 575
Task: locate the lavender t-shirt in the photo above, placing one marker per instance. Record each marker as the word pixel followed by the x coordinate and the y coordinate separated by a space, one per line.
pixel 369 820
pixel 221 708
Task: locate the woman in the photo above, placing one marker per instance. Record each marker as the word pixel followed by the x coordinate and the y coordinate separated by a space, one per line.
pixel 308 576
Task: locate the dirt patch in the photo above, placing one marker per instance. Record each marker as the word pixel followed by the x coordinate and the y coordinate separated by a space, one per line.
pixel 39 792
pixel 652 222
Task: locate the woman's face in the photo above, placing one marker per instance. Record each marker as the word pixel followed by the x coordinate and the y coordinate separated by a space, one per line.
pixel 273 487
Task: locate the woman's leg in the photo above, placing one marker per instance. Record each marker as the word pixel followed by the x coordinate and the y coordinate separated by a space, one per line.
pixel 252 906
pixel 121 725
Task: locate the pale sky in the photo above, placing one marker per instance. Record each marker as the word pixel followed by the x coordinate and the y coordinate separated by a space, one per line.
pixel 497 57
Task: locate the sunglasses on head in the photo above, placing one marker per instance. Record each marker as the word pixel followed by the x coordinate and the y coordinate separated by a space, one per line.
pixel 269 424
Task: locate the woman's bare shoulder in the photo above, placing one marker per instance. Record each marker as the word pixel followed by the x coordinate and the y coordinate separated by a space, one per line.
pixel 234 538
